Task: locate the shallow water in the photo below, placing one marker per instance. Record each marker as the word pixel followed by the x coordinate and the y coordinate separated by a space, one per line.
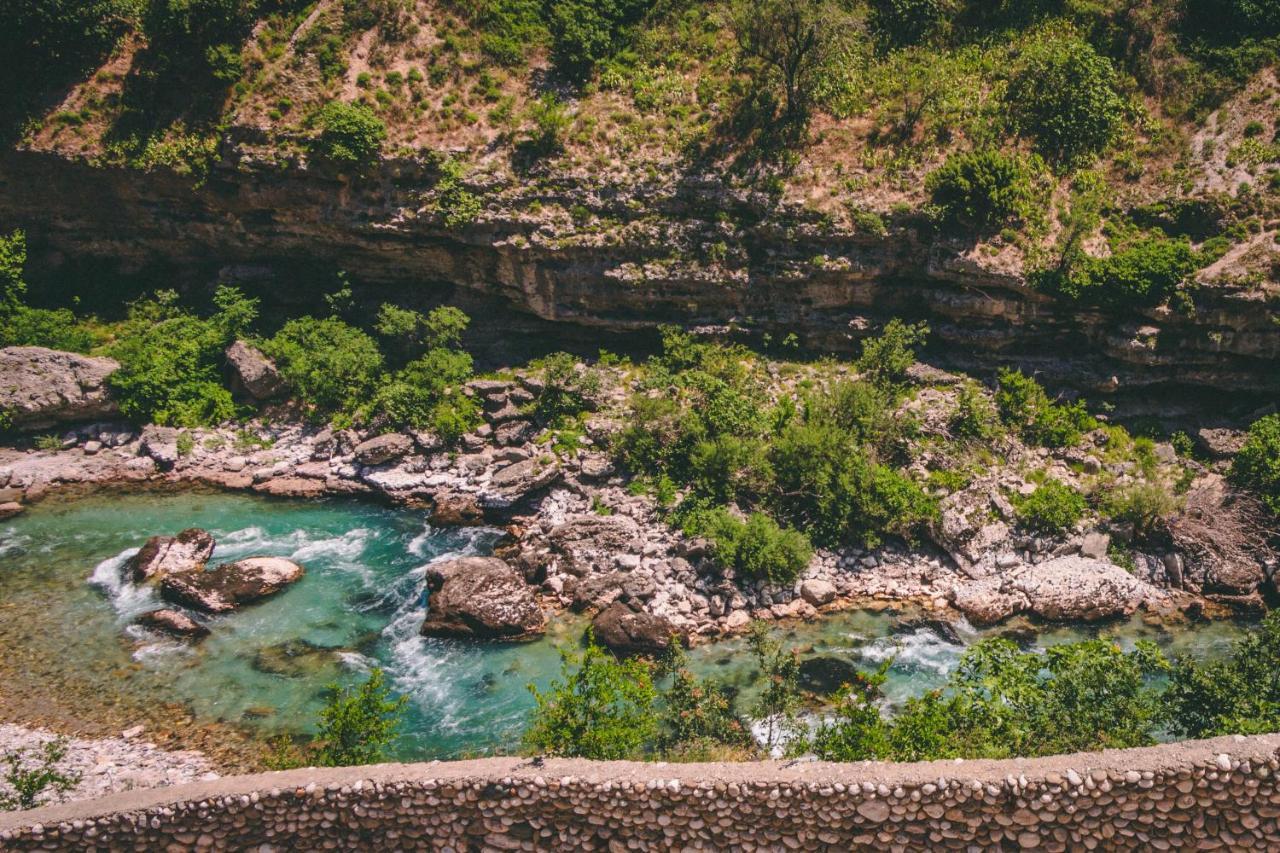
pixel 360 605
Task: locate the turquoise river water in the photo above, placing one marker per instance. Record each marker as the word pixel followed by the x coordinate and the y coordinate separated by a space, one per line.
pixel 360 605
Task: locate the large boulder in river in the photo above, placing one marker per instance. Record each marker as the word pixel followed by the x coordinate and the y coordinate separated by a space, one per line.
pixel 1067 589
pixel 231 585
pixel 625 631
pixel 174 623
pixel 40 388
pixel 252 373
pixel 165 555
pixel 480 597
pixel 593 543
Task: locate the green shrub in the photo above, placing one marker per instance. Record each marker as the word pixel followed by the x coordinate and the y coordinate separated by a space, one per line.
pixel 358 725
pixel 974 416
pixel 43 327
pixel 197 34
pixel 1053 507
pixel 903 22
pixel 1238 695
pixel 1025 407
pixel 1257 465
pixel 1145 505
pixel 331 366
pixel 1065 96
pixel 42 40
pixel 1147 272
pixel 601 708
pixel 551 121
pixel 885 359
pixel 569 388
pixel 427 394
pixel 780 699
pixel 456 205
pixel 350 134
pixel 981 189
pixel 30 773
pixel 697 714
pixel 757 548
pixel 584 32
pixel 13 283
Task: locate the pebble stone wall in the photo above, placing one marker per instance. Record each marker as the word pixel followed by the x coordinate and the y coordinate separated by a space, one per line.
pixel 1217 794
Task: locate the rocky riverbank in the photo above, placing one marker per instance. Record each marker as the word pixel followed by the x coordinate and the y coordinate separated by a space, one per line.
pixel 109 765
pixel 582 540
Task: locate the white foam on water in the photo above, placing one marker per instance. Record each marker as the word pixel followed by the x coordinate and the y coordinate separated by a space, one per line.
pixel 343 551
pixel 128 598
pixel 919 651
pixel 155 647
pixel 12 543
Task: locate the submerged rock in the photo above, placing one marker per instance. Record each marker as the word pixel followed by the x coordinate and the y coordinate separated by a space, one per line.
pixel 165 555
pixel 252 373
pixel 825 675
pixel 294 659
pixel 480 597
pixel 231 585
pixel 633 632
pixel 173 622
pixel 42 387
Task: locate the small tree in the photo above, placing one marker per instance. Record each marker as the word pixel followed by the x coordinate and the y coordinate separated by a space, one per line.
pixel 30 775
pixel 1257 465
pixel 359 724
pixel 981 189
pixel 778 704
pixel 885 359
pixel 350 134
pixel 13 284
pixel 601 708
pixel 792 39
pixel 696 713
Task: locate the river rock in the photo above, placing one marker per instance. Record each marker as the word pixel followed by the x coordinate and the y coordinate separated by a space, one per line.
pixel 817 592
pixel 40 387
pixel 165 555
pixel 161 444
pixel 630 632
pixel 513 483
pixel 592 543
pixel 455 509
pixel 9 509
pixel 231 585
pixel 480 597
pixel 296 658
pixel 826 674
pixel 383 448
pixel 986 601
pixel 1077 588
pixel 173 622
pixel 252 374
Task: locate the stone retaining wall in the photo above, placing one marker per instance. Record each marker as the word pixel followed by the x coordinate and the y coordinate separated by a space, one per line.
pixel 1205 795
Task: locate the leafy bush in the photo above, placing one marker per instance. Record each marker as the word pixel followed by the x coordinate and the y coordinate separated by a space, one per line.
pixel 1053 507
pixel 568 388
pixel 780 699
pixel 981 189
pixel 13 283
pixel 28 776
pixel 331 366
pixel 550 123
pixel 1025 407
pixel 1065 96
pixel 392 17
pixel 885 359
pixel 350 134
pixel 1144 505
pixel 974 416
pixel 903 22
pixel 584 32
pixel 601 708
pixel 1257 465
pixel 427 394
pixel 758 547
pixel 197 34
pixel 1239 695
pixel 456 205
pixel 359 724
pixel 1144 273
pixel 697 714
pixel 42 39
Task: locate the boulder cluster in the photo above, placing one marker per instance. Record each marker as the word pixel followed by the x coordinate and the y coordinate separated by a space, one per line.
pixel 1205 795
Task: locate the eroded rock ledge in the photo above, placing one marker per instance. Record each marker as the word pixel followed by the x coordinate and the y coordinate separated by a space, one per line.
pixel 1212 794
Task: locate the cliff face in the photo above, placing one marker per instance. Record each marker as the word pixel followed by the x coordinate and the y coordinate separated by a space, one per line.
pixel 687 250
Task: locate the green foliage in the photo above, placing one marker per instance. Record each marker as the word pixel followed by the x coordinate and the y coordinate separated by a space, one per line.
pixel 568 389
pixel 198 35
pixel 427 394
pixel 456 205
pixel 42 40
pixel 1026 408
pixel 56 328
pixel 601 708
pixel 1146 272
pixel 29 773
pixel 332 367
pixel 697 714
pixel 1146 506
pixel 1065 96
pixel 974 416
pixel 170 362
pixel 1003 702
pixel 903 22
pixel 236 312
pixel 885 359
pixel 1257 465
pixel 1238 695
pixel 981 189
pixel 359 724
pixel 585 32
pixel 1053 507
pixel 780 700
pixel 351 135
pixel 393 18
pixel 551 121
pixel 13 284
pixel 756 547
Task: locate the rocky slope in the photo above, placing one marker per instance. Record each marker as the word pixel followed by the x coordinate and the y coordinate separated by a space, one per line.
pixel 686 247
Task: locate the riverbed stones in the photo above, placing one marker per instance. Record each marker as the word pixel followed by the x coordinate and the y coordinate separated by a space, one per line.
pixel 625 631
pixel 9 509
pixel 175 623
pixel 480 598
pixel 231 585
pixel 818 592
pixel 252 374
pixel 165 555
pixel 41 388
pixel 592 543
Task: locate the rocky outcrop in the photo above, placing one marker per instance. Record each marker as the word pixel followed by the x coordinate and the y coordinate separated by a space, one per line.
pixel 251 374
pixel 595 543
pixel 1066 589
pixel 231 585
pixel 480 598
pixel 382 449
pixel 41 388
pixel 166 555
pixel 625 631
pixel 174 623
